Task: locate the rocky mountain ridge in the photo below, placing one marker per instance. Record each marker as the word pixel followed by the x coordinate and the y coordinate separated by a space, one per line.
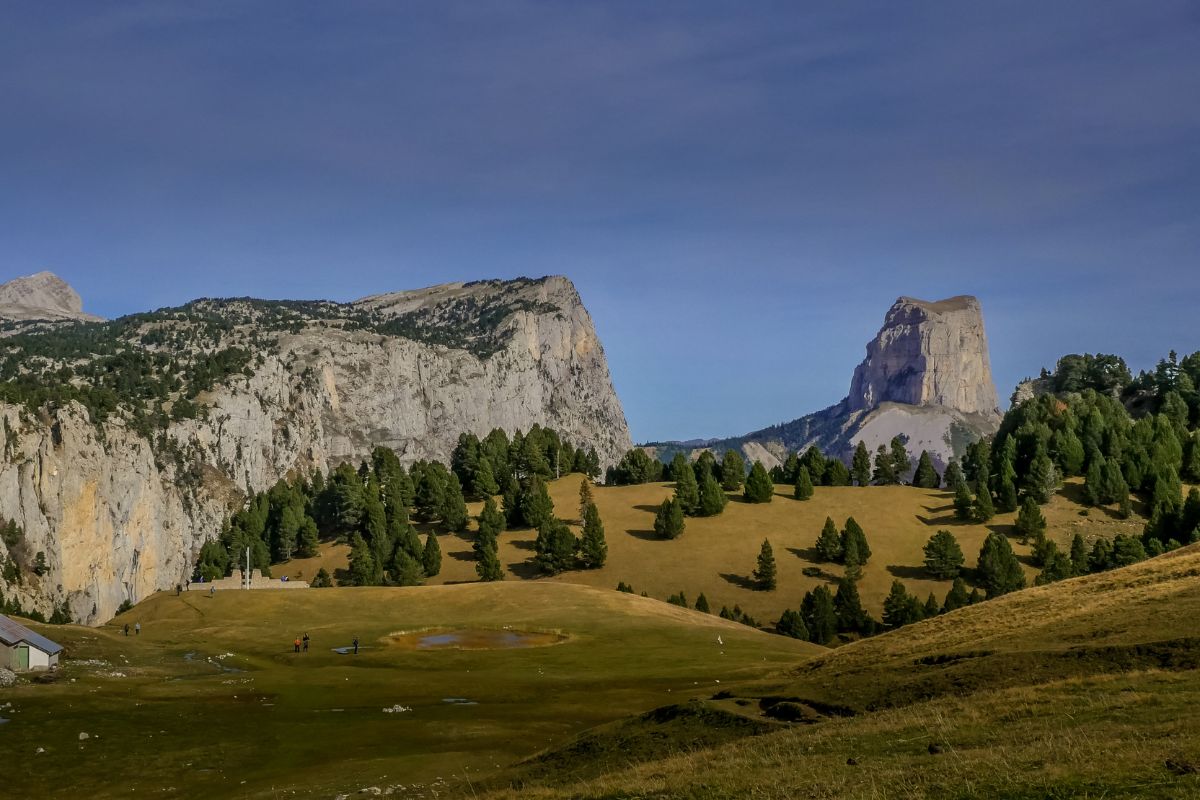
pixel 927 377
pixel 119 482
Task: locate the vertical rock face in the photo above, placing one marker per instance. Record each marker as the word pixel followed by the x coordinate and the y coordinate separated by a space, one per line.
pixel 119 516
pixel 41 296
pixel 928 354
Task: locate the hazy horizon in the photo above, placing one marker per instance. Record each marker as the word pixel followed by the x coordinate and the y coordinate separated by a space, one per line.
pixel 739 193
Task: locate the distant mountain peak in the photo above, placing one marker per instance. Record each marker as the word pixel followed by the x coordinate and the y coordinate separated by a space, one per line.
pixel 41 296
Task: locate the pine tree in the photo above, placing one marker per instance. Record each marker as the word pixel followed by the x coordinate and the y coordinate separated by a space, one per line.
pixel 454 506
pixel 488 566
pixel 820 615
pixel 836 474
pixel 585 495
pixel 485 483
pixel 491 519
pixel 804 487
pixel 1057 567
pixel 791 623
pixel 931 606
pixel 926 476
pixel 555 547
pixel 668 522
pixel 854 531
pixel 964 505
pixel 431 557
pixel 900 608
pixel 406 570
pixel 851 559
pixel 998 570
pixel 957 596
pixel 764 573
pixel 982 509
pixel 860 465
pixel 829 543
pixel 364 570
pixel 1031 524
pixel 512 504
pixel 702 604
pixel 943 556
pixel 954 476
pixel 307 540
pixel 593 548
pixel 852 618
pixel 712 497
pixel 1079 556
pixel 1093 483
pixel 733 471
pixel 759 488
pixel 687 491
pixel 322 580
pixel 1042 479
pixel 536 506
pixel 885 467
pixel 901 463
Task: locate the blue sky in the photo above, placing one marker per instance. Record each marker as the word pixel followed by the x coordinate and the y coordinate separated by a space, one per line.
pixel 739 190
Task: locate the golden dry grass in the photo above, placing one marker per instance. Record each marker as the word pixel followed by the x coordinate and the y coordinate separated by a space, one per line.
pixel 717 555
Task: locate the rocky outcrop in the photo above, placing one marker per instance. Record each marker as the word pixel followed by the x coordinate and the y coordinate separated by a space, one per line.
pixel 927 377
pixel 43 296
pixel 928 354
pixel 119 516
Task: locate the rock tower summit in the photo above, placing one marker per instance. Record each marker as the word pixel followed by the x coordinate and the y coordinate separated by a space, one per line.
pixel 928 354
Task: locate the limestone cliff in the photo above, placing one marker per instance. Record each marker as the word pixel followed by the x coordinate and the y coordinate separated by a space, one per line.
pixel 120 507
pixel 927 377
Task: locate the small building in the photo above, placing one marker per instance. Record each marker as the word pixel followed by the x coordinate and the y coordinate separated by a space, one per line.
pixel 21 649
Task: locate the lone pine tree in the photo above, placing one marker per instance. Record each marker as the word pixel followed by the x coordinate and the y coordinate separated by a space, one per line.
pixel 765 572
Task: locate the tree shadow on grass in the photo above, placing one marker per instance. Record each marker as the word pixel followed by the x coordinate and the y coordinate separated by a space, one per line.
pixel 1004 530
pixel 524 569
pixel 462 555
pixel 647 536
pixel 524 544
pixel 741 581
pixel 806 554
pixel 905 572
pixel 649 507
pixel 943 520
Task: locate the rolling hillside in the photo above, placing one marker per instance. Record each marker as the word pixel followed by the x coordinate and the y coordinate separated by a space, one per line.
pixel 1079 689
pixel 716 555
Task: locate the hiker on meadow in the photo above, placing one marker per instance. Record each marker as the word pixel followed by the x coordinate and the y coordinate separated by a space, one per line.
pixel 355 645
pixel 306 642
pixel 137 629
pixel 126 628
pixel 296 644
pixel 212 591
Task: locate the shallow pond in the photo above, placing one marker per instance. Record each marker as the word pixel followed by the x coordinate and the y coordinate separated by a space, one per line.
pixel 481 639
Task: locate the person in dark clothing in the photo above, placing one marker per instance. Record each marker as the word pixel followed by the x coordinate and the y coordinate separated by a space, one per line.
pixel 126 628
pixel 305 642
pixel 355 645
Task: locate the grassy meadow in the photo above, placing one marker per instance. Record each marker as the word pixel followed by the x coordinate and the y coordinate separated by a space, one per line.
pixel 211 701
pixel 716 555
pixel 1079 689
